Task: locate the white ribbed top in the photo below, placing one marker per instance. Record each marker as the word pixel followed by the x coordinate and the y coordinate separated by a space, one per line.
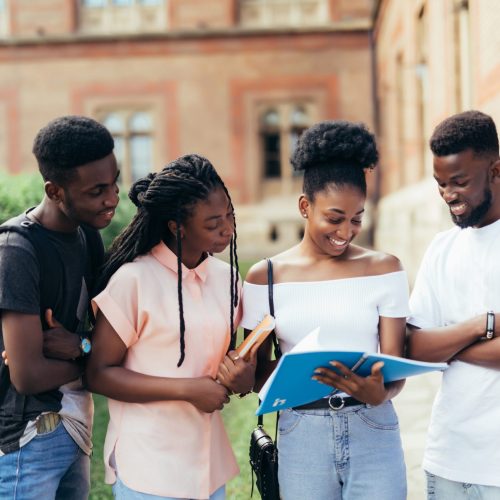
pixel 346 310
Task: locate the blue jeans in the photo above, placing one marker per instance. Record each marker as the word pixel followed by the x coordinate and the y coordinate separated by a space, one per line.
pixel 439 488
pixel 350 454
pixel 122 492
pixel 51 466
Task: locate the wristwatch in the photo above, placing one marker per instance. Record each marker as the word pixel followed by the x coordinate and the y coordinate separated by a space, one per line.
pixel 490 325
pixel 85 346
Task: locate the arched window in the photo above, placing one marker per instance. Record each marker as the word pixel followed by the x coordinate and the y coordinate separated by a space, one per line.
pixel 3 18
pixel 141 145
pixel 122 16
pixel 280 128
pixel 271 13
pixel 271 143
pixel 133 135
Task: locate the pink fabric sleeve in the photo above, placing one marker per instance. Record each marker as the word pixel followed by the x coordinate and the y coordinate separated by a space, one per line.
pixel 118 303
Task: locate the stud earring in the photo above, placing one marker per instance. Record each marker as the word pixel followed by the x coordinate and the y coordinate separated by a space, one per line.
pixel 304 215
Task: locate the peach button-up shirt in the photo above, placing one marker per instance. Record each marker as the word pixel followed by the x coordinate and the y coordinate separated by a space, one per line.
pixel 169 448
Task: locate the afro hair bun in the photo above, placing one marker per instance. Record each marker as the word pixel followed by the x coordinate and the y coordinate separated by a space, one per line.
pixel 336 142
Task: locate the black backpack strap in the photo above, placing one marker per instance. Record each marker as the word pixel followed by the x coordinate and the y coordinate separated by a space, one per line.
pixel 95 258
pixel 95 248
pixel 49 267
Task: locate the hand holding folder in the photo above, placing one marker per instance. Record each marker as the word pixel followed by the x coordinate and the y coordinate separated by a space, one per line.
pixel 291 383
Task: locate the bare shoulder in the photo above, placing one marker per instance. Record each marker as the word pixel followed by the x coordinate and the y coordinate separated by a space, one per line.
pixel 382 263
pixel 257 274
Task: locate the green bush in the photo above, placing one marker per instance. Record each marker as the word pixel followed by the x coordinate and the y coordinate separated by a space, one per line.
pixel 22 191
pixel 19 192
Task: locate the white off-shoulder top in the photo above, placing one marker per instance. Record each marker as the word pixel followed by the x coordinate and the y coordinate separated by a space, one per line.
pixel 346 310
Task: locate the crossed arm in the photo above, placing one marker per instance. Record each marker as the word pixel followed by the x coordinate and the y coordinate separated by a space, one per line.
pixel 31 372
pixel 461 341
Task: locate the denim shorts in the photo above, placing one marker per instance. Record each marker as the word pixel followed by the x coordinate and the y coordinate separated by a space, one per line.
pixel 439 488
pixel 352 454
pixel 50 466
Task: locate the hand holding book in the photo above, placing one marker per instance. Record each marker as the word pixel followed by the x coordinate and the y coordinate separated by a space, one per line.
pixel 370 389
pixel 256 337
pixel 237 370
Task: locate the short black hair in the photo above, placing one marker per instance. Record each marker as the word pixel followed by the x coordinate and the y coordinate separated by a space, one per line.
pixel 335 152
pixel 69 142
pixel 468 130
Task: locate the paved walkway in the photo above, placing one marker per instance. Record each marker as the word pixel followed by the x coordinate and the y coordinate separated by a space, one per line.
pixel 413 406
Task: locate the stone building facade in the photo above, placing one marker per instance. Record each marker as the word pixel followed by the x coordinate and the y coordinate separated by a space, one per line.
pixel 235 80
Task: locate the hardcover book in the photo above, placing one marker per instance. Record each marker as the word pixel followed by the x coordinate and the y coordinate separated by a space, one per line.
pixel 256 336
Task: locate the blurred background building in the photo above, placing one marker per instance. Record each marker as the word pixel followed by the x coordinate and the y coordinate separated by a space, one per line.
pixel 238 81
pixel 434 58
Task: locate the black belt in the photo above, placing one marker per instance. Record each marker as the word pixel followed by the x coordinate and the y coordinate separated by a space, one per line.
pixel 332 403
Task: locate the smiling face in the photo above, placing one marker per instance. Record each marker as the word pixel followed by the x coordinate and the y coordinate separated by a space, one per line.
pixel 464 181
pixel 209 228
pixel 90 196
pixel 334 218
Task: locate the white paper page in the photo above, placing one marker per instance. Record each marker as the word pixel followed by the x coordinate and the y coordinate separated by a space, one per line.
pixel 311 342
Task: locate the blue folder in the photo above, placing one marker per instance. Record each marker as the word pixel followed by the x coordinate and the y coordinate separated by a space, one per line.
pixel 291 385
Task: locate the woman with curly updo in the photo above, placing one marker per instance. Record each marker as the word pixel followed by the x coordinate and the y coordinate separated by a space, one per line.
pixel 165 320
pixel 348 446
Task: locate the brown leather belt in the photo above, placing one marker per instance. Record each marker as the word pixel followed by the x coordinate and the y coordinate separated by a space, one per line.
pixel 47 422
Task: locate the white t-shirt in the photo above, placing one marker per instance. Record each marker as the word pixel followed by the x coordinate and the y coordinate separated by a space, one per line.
pixel 347 309
pixel 460 278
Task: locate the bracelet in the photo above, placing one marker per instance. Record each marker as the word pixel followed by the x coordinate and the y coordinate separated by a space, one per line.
pixel 490 325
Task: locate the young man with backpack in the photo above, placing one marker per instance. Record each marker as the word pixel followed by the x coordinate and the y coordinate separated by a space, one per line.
pixel 49 256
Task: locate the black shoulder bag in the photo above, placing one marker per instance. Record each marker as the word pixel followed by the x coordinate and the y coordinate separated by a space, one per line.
pixel 263 451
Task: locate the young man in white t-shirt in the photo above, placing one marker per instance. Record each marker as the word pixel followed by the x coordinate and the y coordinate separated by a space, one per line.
pixel 455 313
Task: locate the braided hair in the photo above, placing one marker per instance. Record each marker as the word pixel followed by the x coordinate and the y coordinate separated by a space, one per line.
pixel 170 195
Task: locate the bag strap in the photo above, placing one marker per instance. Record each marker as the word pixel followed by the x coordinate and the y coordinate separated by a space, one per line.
pixel 49 264
pixel 95 258
pixel 270 293
pixel 277 349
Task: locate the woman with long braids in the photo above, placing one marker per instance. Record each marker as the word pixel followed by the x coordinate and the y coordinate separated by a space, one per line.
pixel 165 320
pixel 347 446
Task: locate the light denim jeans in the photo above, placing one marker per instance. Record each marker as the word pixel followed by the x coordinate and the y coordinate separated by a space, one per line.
pixel 122 492
pixel 439 488
pixel 351 454
pixel 51 466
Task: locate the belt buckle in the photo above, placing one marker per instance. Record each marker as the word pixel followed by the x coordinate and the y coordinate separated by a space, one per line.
pixel 333 406
pixel 47 422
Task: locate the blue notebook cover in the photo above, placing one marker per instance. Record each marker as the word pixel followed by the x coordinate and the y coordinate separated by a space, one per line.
pixel 291 385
